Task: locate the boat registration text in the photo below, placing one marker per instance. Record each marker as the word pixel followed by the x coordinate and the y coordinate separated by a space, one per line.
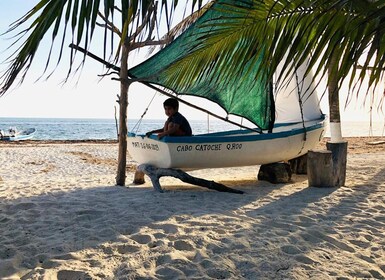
pixel 208 147
pixel 190 148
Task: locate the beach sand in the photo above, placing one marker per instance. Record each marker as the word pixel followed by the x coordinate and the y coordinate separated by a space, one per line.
pixel 61 217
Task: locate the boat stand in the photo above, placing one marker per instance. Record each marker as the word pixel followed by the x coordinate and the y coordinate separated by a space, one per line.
pixel 156 173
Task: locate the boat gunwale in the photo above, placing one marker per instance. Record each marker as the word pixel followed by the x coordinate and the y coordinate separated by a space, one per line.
pixel 236 135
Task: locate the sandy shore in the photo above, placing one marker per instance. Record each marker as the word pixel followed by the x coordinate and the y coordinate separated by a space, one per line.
pixel 61 217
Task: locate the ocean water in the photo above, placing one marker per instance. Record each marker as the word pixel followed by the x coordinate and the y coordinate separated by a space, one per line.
pixel 96 129
pixel 105 129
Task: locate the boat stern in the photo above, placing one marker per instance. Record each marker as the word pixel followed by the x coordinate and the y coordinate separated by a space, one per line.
pixel 148 150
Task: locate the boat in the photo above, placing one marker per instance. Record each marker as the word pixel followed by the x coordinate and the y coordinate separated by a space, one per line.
pixel 226 149
pixel 286 117
pixel 296 131
pixel 14 135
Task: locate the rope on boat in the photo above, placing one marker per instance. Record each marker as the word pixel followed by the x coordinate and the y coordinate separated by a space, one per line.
pixel 139 122
pixel 301 109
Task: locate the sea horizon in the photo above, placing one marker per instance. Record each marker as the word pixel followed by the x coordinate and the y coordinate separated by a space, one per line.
pixel 105 128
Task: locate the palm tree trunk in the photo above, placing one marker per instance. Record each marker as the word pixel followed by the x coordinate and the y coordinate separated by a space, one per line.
pixel 336 145
pixel 334 104
pixel 123 102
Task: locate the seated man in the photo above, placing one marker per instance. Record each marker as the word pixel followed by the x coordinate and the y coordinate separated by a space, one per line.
pixel 176 124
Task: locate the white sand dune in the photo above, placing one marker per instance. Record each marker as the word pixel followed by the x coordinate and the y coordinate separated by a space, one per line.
pixel 61 217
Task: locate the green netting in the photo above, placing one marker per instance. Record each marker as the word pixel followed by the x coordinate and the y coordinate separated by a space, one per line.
pixel 241 93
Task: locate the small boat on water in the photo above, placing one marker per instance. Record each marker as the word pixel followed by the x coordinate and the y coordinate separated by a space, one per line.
pixel 14 135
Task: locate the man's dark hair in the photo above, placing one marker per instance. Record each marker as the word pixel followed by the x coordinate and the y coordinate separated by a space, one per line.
pixel 171 102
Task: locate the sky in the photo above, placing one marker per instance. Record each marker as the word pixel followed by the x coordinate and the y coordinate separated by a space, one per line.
pixel 92 97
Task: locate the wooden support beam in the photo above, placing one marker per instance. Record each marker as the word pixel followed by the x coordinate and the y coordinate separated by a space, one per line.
pixel 116 68
pixel 139 178
pixel 299 165
pixel 275 173
pixel 156 173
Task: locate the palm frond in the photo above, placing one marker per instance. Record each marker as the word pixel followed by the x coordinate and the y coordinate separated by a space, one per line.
pixel 289 32
pixel 181 27
pixel 75 20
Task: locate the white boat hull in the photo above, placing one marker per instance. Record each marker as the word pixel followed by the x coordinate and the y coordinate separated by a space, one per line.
pixel 20 135
pixel 216 150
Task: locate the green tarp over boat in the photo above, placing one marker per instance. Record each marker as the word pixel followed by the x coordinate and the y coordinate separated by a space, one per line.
pixel 243 93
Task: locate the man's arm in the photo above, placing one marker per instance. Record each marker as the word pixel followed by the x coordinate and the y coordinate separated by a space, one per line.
pixel 171 129
pixel 154 131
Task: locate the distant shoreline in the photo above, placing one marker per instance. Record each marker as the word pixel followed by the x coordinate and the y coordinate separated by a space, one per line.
pixel 360 144
pixel 86 141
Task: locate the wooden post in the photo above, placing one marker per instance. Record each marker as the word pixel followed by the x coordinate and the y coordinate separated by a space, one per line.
pixel 320 169
pixel 339 155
